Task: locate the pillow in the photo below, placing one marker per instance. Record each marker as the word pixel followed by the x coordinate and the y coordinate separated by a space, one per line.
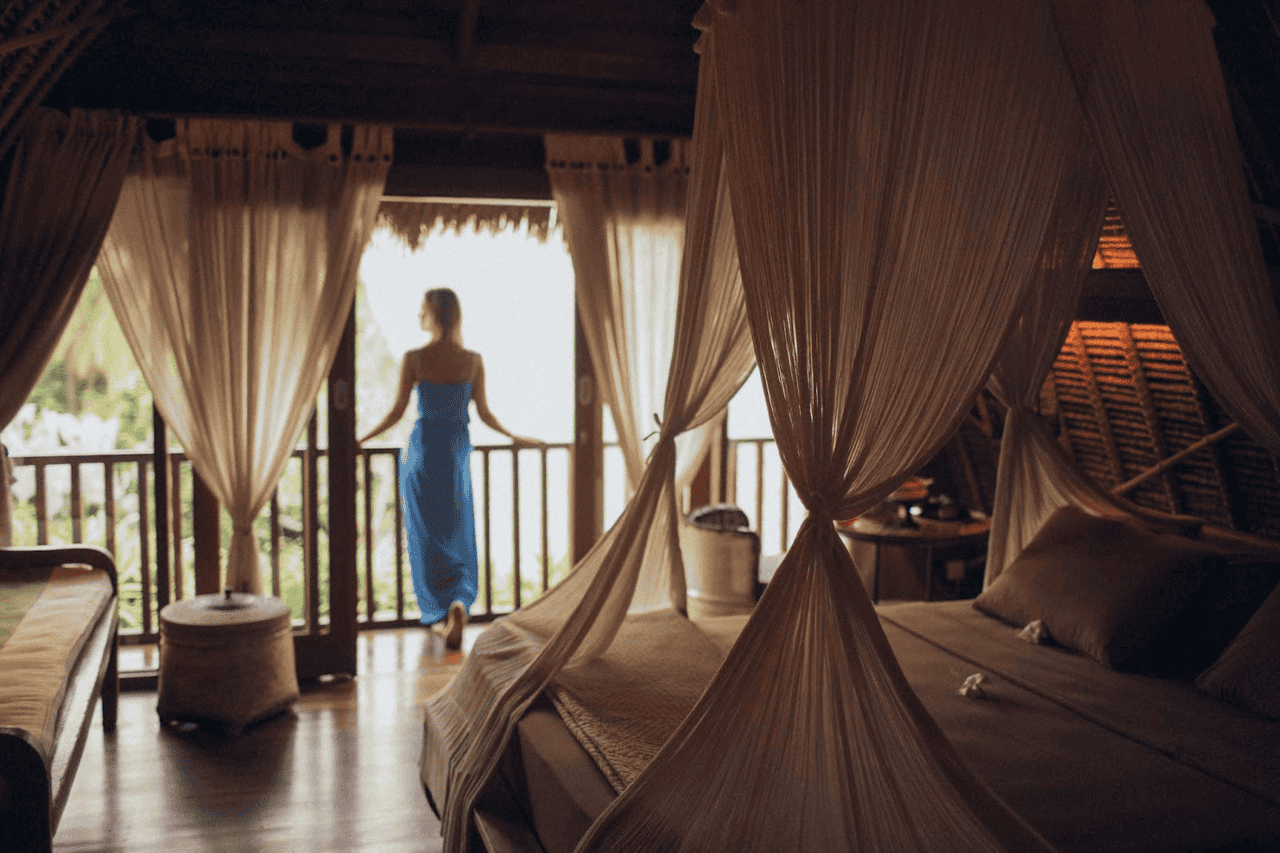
pixel 1248 673
pixel 1231 593
pixel 1106 587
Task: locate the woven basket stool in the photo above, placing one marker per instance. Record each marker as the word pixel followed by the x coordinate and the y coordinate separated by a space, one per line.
pixel 226 660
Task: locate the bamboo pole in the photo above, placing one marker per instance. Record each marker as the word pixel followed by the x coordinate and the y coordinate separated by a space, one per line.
pixel 1167 463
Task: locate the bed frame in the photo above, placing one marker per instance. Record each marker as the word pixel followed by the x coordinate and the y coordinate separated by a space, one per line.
pixel 33 793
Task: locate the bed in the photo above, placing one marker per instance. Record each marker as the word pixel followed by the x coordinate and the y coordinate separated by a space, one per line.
pixel 1142 752
pixel 57 658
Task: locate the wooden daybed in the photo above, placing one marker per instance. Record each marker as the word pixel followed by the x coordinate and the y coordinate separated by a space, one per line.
pixel 1095 757
pixel 58 626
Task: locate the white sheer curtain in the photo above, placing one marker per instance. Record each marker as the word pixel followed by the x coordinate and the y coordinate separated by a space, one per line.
pixel 231 265
pixel 1151 87
pixel 1032 479
pixel 63 178
pixel 631 569
pixel 892 169
pixel 624 224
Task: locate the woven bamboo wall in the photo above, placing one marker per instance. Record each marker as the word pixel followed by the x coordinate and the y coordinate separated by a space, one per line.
pixel 1121 398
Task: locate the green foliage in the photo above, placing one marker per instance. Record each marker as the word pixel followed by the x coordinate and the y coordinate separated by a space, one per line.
pixel 93 371
pixel 92 397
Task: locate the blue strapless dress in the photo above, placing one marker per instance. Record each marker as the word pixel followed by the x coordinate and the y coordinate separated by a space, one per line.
pixel 435 487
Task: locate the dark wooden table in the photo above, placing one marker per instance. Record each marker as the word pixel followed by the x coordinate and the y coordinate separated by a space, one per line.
pixel 963 540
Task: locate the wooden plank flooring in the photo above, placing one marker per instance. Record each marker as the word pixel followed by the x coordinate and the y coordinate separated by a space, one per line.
pixel 339 773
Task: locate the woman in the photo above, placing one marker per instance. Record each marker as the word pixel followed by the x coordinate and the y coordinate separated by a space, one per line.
pixel 435 474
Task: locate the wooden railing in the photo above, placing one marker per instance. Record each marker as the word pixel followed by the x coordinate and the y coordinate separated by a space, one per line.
pixel 507 580
pixel 766 495
pixel 107 499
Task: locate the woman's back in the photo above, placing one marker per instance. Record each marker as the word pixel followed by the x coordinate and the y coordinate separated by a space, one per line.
pixel 445 363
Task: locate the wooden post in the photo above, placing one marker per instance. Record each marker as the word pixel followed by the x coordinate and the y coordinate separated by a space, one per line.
pixel 206 523
pixel 342 454
pixel 160 468
pixel 700 488
pixel 587 466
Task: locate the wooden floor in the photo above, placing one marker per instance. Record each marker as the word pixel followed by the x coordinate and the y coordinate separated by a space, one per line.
pixel 340 773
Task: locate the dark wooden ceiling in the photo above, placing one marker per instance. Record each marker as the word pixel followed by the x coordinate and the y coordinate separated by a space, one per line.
pixel 468 65
pixel 465 82
pixel 471 85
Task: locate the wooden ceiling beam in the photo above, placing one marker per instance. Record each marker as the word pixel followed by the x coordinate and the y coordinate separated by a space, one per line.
pixel 468 15
pixel 176 45
pixel 328 56
pixel 52 33
pixel 441 104
pixel 405 80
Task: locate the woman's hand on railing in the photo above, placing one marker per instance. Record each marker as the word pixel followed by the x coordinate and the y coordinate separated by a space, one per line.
pixel 519 442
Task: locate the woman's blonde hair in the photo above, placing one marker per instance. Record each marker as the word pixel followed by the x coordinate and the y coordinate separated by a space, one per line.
pixel 445 307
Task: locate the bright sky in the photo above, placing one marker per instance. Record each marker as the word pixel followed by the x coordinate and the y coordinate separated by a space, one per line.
pixel 517 312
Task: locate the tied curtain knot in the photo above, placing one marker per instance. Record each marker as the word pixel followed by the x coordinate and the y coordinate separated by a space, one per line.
pixel 668 430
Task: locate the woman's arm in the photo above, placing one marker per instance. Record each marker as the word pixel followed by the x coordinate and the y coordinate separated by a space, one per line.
pixel 401 402
pixel 482 409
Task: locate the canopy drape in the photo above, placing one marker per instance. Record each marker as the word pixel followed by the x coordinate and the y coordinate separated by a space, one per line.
pixel 624 223
pixel 894 173
pixel 231 265
pixel 633 566
pixel 891 183
pixel 1029 486
pixel 62 179
pixel 1151 89
pixel 1150 84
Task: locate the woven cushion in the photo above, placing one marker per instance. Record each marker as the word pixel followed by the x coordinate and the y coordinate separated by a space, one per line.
pixel 1248 673
pixel 1106 587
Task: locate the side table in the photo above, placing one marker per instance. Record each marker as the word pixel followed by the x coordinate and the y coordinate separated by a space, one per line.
pixel 226 659
pixel 965 538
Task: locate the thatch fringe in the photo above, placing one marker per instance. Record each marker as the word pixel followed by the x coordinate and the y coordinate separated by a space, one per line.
pixel 412 220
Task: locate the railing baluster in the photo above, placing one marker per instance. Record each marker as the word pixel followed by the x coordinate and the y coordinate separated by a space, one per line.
pixel 371 604
pixel 786 499
pixel 275 541
pixel 160 467
pixel 310 526
pixel 395 479
pixel 175 513
pixel 515 525
pixel 546 541
pixel 488 561
pixel 730 495
pixel 42 507
pixel 77 505
pixel 759 519
pixel 144 524
pixel 109 502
